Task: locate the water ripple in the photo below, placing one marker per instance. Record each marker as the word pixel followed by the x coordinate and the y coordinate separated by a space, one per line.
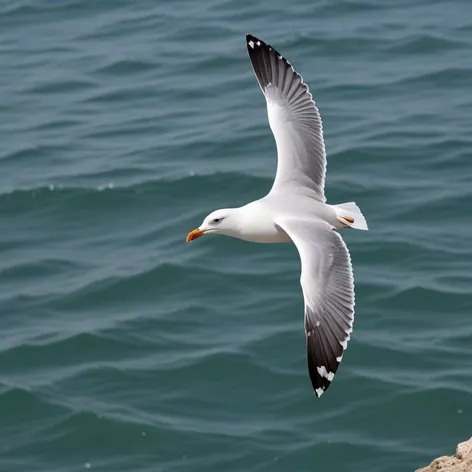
pixel 124 348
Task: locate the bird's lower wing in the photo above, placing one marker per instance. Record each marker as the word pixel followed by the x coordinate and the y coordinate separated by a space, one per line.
pixel 328 290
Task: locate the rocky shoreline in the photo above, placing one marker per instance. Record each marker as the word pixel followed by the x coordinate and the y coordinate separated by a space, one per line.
pixel 460 462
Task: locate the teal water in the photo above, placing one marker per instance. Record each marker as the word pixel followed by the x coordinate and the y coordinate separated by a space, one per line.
pixel 124 349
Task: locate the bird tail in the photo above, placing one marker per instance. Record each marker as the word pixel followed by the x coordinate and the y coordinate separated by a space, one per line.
pixel 350 216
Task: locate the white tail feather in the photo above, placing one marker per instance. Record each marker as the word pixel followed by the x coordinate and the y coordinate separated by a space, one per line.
pixel 351 211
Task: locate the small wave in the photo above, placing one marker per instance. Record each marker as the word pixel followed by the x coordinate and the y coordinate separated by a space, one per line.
pixel 19 9
pixel 423 44
pixel 63 348
pixel 125 67
pixel 446 77
pixel 181 183
pixel 27 152
pixel 68 86
pixel 120 94
pixel 44 268
pixel 23 408
pixel 442 298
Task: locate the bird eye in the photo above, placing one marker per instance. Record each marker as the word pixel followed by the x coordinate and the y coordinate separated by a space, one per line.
pixel 217 220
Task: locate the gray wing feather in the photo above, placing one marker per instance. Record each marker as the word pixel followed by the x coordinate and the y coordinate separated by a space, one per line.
pixel 328 290
pixel 293 117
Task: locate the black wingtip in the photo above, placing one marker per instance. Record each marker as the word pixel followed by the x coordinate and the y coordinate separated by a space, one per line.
pixel 319 382
pixel 255 46
pixel 324 354
pixel 253 43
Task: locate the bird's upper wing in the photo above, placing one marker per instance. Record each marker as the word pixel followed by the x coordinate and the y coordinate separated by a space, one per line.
pixel 293 117
pixel 328 290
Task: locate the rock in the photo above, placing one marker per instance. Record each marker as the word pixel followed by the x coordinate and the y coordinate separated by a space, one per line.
pixel 461 462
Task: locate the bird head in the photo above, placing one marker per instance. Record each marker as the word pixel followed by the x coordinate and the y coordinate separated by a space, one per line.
pixel 218 222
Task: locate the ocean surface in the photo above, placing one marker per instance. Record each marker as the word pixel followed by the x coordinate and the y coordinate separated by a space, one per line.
pixel 122 348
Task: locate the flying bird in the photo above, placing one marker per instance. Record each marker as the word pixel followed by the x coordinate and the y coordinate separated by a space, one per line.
pixel 295 210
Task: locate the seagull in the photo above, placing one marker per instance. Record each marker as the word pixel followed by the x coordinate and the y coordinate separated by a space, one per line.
pixel 295 210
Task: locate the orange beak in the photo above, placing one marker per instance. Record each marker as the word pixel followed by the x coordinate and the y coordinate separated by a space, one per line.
pixel 196 233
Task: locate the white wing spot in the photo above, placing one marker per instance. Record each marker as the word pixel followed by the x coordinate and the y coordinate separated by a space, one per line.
pixel 258 43
pixel 319 392
pixel 251 43
pixel 324 373
pixel 340 358
pixel 317 323
pixel 343 343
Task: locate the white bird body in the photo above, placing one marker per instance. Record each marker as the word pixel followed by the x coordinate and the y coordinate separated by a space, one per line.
pixel 257 224
pixel 295 210
pixel 258 219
